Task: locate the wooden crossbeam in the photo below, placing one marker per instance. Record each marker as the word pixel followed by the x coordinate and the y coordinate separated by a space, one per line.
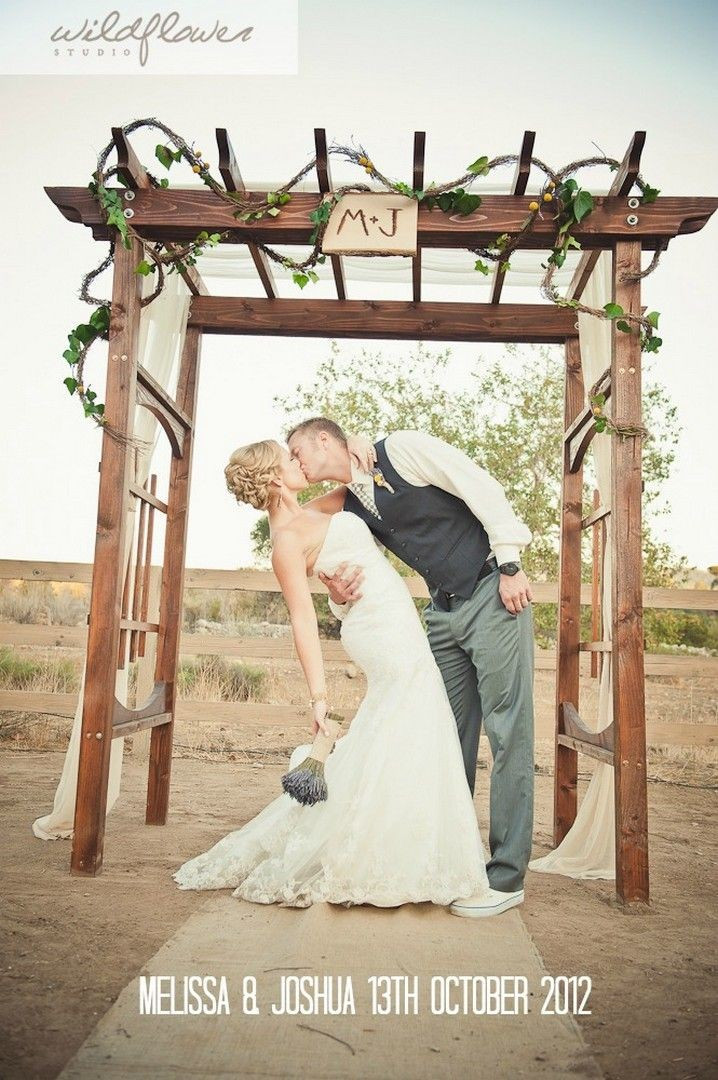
pixel 580 434
pixel 173 419
pixel 148 497
pixel 135 177
pixel 623 181
pixel 178 214
pixel 395 319
pixel 521 179
pixel 229 171
pixel 418 183
pixel 324 180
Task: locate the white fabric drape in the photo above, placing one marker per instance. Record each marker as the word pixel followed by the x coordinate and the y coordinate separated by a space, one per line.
pixel 588 849
pixel 161 337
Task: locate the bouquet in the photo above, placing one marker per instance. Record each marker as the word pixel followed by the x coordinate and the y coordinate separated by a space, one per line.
pixel 306 782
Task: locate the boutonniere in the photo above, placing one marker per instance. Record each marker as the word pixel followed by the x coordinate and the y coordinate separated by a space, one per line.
pixel 380 481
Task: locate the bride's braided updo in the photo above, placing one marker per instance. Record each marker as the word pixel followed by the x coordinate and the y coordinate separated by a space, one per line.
pixel 250 472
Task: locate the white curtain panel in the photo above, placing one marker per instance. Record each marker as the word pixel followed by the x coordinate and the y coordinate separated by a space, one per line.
pixel 161 338
pixel 588 849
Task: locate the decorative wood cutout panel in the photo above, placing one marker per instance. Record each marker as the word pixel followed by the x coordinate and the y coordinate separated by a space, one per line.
pixel 372 223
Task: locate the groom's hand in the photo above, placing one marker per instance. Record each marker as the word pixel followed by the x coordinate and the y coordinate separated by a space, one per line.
pixel 343 587
pixel 515 591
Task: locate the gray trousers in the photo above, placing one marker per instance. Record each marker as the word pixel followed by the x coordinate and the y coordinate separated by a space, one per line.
pixel 486 657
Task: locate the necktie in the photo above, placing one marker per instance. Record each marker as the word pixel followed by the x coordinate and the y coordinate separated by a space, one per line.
pixel 364 498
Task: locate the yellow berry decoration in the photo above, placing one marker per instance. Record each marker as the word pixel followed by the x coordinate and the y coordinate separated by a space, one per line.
pixel 547 196
pixel 80 388
pixel 533 206
pixel 196 168
pixel 596 410
pixel 198 154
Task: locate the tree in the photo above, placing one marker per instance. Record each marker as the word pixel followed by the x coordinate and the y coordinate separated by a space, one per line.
pixel 511 425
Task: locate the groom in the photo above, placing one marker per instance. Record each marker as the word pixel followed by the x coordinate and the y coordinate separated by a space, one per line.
pixel 449 520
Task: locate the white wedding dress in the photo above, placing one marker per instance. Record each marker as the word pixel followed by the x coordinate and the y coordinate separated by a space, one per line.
pixel 399 825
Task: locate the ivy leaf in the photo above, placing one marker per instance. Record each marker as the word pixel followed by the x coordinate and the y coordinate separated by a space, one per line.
pixel 481 267
pixel 504 266
pixel 273 211
pixel 600 423
pixel 445 201
pixel 143 268
pixel 71 356
pixel 99 409
pixel 650 194
pixel 479 167
pixel 623 325
pixel 164 182
pixel 70 383
pixel 300 279
pixel 164 155
pixel 100 318
pixel 613 310
pixel 582 205
pixel 653 317
pixel 85 333
pixel 466 204
pixel 284 198
pixel 313 275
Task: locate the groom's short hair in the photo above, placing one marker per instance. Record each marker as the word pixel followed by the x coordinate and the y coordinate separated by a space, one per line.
pixel 316 424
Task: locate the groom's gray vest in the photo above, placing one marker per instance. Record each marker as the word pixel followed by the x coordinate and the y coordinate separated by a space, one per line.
pixel 430 530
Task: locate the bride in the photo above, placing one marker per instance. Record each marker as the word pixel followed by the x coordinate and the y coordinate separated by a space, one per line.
pixel 399 824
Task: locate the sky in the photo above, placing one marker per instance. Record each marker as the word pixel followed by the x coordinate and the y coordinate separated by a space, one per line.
pixel 473 76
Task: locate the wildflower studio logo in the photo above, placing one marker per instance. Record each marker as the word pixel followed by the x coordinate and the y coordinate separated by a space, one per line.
pixel 202 37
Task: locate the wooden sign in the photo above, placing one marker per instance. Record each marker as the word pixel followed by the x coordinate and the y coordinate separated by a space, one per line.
pixel 372 223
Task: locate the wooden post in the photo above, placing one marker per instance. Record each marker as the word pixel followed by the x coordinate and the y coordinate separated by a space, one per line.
pixel 108 568
pixel 172 591
pixel 569 600
pixel 146 663
pixel 627 600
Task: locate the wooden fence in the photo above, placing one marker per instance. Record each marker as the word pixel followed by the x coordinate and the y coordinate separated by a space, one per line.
pixel 259 715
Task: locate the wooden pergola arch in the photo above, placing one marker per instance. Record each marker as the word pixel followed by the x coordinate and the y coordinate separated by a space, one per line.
pixel 618 223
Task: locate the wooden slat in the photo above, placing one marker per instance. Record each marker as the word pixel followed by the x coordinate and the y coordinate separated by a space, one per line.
pixel 580 746
pixel 147 573
pixel 629 706
pixel 178 214
pixel 545 592
pixel 623 181
pixel 163 397
pixel 569 607
pixel 282 648
pixel 324 180
pixel 417 183
pixel 148 497
pixel 595 516
pixel 572 724
pixel 267 717
pixel 521 179
pixel 135 177
pixel 598 515
pixel 393 319
pixel 595 646
pixel 229 171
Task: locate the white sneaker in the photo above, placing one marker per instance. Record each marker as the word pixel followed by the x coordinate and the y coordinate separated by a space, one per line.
pixel 479 907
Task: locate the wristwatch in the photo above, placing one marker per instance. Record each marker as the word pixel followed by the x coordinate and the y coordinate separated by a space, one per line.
pixel 510 568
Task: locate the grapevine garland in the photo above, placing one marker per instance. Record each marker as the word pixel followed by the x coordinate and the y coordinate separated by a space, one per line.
pixel 560 193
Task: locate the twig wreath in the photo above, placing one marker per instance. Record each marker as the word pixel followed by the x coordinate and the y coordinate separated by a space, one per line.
pixel 560 193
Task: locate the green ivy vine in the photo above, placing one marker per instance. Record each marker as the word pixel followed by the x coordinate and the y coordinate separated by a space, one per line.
pixel 561 196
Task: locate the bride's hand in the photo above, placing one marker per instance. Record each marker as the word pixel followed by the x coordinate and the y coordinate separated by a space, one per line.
pixel 362 452
pixel 319 716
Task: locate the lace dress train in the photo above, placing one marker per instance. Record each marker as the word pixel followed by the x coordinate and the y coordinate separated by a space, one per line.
pixel 399 825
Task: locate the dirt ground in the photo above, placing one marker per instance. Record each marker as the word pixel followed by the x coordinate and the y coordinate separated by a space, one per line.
pixel 71 944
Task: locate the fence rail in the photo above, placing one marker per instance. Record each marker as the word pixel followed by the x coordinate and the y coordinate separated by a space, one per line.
pixel 256 717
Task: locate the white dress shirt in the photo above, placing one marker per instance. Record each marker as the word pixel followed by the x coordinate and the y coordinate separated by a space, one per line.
pixel 422 459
